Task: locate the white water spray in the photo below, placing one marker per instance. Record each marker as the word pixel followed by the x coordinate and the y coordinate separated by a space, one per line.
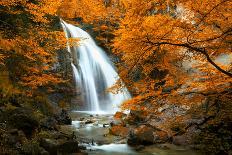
pixel 94 73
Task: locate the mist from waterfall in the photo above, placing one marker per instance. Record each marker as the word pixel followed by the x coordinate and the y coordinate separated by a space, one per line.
pixel 93 73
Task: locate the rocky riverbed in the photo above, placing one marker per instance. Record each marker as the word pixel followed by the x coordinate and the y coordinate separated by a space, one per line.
pixel 103 134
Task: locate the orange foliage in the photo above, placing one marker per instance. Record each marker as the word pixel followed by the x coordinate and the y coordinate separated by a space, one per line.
pixel 166 47
pixel 181 36
pixel 28 47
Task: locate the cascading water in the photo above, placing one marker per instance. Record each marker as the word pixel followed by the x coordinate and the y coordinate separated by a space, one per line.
pixel 93 72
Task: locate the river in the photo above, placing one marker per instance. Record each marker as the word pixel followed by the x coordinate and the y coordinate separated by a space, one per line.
pixel 92 131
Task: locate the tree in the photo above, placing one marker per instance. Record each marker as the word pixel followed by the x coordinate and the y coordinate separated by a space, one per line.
pixel 156 40
pixel 102 15
pixel 29 40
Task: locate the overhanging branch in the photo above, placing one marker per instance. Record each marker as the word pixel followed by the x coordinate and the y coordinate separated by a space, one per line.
pixel 196 49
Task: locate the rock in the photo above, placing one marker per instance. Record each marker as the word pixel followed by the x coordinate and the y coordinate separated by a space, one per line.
pixel 160 137
pixel 139 147
pixel 164 107
pixel 165 146
pixel 180 140
pixel 89 121
pixel 70 146
pixel 63 118
pixel 141 135
pixel 119 115
pixel 49 123
pixel 23 119
pixel 49 145
pixel 119 130
pixel 122 141
pixel 82 119
pixel 136 117
pixel 115 122
pixel 80 153
pixel 105 125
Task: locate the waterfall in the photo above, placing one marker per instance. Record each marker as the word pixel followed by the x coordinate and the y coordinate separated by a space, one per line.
pixel 93 72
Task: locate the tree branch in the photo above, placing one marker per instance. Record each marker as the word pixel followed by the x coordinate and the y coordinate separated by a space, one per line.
pixel 196 49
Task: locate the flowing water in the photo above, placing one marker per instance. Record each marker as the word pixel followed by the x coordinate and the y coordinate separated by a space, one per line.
pixel 93 73
pixel 92 131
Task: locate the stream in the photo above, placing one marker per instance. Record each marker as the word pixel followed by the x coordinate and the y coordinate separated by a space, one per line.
pixel 92 131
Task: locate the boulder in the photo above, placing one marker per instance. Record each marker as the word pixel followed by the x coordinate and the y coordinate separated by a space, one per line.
pixel 119 130
pixel 143 135
pixel 147 134
pixel 70 146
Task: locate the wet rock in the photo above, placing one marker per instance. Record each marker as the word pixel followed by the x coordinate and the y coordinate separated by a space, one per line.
pixel 23 119
pixel 89 121
pixel 119 130
pixel 63 118
pixel 141 135
pixel 122 141
pixel 180 140
pixel 70 146
pixel 105 125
